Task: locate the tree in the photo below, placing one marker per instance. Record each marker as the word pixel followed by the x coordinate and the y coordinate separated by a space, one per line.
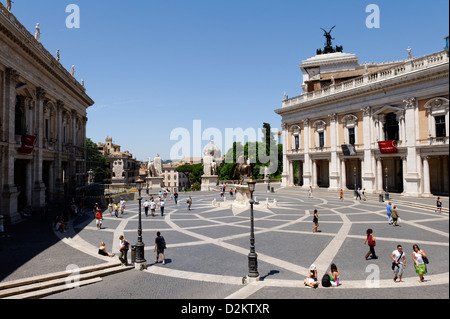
pixel 96 162
pixel 193 172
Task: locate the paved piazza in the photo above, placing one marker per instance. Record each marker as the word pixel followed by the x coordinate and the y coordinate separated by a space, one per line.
pixel 209 245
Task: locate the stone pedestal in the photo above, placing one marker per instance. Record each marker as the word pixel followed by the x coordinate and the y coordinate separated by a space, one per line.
pixel 209 182
pixel 155 182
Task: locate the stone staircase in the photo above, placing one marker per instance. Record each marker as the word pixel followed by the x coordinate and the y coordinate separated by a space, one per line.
pixel 41 286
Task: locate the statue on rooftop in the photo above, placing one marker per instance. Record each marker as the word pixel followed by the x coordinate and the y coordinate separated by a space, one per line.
pixel 8 5
pixel 37 35
pixel 329 47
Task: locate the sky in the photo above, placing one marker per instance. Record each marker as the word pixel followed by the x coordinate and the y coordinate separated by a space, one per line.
pixel 165 74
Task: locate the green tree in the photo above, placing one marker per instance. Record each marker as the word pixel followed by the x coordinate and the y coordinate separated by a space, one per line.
pixel 96 162
pixel 193 172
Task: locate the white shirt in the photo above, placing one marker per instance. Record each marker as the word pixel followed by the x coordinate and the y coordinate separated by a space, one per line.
pixel 418 258
pixel 396 254
pixel 162 203
pixel 152 205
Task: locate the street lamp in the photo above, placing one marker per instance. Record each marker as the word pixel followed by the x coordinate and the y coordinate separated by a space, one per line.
pixel 354 178
pixel 386 195
pixel 140 262
pixel 253 274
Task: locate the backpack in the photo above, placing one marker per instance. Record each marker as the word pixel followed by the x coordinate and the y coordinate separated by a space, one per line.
pixel 326 281
pixel 163 243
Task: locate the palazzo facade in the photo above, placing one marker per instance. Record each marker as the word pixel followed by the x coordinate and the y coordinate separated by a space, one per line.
pixel 378 126
pixel 42 123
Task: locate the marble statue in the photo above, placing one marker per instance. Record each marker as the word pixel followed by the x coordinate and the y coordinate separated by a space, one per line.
pixel 158 165
pixel 72 72
pixel 150 168
pixel 209 165
pixel 8 5
pixel 37 35
pixel 211 147
pixel 57 55
pixel 409 53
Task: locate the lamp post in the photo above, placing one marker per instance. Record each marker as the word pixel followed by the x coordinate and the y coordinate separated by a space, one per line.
pixel 354 178
pixel 140 262
pixel 386 195
pixel 253 274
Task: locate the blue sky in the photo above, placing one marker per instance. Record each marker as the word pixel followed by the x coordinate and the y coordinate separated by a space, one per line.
pixel 153 66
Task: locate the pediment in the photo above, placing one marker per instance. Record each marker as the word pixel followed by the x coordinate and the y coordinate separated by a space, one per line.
pixel 388 109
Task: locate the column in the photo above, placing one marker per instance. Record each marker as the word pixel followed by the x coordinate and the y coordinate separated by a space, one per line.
pixel 334 161
pixel 284 175
pixel 426 176
pixel 411 174
pixel 367 175
pixel 39 186
pixel 379 175
pixel 343 175
pixel 10 191
pixel 307 162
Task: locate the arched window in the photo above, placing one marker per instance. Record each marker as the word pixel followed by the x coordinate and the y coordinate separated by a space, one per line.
pixel 350 124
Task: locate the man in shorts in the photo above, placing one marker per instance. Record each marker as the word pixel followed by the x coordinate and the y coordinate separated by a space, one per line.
pixel 160 245
pixel 399 263
pixel 99 218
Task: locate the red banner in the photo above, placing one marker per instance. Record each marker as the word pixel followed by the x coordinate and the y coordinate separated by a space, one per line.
pixel 28 144
pixel 388 147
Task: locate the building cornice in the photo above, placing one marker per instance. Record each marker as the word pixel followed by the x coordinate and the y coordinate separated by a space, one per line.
pixel 13 30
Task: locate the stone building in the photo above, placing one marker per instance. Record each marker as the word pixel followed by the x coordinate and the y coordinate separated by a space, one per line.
pixel 42 123
pixel 123 167
pixel 378 126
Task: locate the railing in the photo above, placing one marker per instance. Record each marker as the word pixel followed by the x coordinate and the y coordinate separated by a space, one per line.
pixel 369 78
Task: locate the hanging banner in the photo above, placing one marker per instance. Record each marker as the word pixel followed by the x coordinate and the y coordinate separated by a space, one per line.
pixel 28 144
pixel 388 147
pixel 348 149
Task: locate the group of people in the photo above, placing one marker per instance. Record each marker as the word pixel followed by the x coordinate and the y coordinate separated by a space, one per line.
pixel 398 257
pixel 330 279
pixel 116 207
pixel 124 246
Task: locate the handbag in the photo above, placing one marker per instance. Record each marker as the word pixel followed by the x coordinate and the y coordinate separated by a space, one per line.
pixel 395 263
pixel 425 260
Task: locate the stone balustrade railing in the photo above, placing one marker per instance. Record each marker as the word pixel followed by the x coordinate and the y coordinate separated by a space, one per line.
pixel 370 78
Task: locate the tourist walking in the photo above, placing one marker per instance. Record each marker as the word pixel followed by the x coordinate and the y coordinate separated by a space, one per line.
pixel 315 221
pixel 124 246
pixel 438 205
pixel 152 206
pixel 341 195
pixel 394 215
pixel 399 263
pixel 146 204
pixel 116 210
pixel 389 213
pixel 358 193
pixel 310 192
pixel 370 240
pixel 99 218
pixel 160 246
pixel 189 202
pixel 122 206
pixel 162 204
pixel 175 197
pixel 110 208
pixel 364 194
pixel 420 260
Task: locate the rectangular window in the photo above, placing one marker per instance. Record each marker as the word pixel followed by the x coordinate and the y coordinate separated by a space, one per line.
pixel 297 142
pixel 351 136
pixel 440 126
pixel 321 139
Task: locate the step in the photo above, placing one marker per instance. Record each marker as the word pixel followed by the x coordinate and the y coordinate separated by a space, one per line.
pixel 60 274
pixel 53 290
pixel 37 286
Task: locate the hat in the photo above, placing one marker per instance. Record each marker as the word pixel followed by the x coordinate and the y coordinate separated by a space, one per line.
pixel 312 267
